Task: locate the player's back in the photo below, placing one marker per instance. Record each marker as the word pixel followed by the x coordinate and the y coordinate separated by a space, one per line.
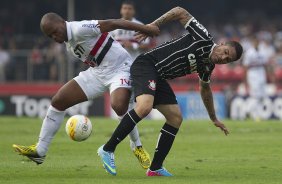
pixel 186 54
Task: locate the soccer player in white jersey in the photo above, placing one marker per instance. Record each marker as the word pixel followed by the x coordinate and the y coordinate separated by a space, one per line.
pixel 255 62
pixel 109 63
pixel 126 37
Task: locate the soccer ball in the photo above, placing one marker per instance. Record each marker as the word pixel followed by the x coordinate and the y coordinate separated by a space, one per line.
pixel 78 127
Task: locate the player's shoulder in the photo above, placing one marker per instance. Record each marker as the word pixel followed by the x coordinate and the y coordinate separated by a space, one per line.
pixel 83 27
pixel 84 24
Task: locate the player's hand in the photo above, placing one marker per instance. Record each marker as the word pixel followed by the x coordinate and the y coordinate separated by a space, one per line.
pixel 139 37
pixel 221 126
pixel 153 30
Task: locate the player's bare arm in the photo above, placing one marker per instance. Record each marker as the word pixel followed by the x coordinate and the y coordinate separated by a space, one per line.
pixel 206 94
pixel 112 24
pixel 175 14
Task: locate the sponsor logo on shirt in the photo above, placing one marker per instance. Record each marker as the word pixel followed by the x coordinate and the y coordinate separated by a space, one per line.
pixel 193 63
pixel 91 25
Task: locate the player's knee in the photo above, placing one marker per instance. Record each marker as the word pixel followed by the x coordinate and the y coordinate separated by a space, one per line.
pixel 175 119
pixel 143 109
pixel 120 108
pixel 58 102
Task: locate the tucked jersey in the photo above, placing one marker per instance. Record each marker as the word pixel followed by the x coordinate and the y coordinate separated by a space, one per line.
pixel 88 44
pixel 121 35
pixel 189 53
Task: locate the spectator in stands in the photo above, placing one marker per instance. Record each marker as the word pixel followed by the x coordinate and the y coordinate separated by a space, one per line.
pixel 4 59
pixel 55 61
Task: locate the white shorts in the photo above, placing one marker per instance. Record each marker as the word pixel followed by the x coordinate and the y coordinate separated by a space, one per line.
pixel 95 81
pixel 257 86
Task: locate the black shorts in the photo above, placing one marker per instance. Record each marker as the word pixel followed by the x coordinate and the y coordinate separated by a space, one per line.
pixel 145 80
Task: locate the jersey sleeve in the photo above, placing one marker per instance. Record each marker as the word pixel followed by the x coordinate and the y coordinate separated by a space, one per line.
pixel 197 30
pixel 205 73
pixel 87 28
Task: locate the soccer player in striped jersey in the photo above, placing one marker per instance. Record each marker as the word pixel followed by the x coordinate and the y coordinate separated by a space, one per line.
pixel 194 52
pixel 126 37
pixel 109 65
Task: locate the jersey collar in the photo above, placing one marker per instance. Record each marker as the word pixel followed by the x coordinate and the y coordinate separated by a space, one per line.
pixel 68 31
pixel 212 49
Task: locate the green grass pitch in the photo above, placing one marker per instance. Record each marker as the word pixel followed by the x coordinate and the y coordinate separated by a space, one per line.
pixel 251 154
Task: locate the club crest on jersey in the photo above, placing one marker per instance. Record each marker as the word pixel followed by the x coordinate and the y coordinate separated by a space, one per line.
pixel 152 85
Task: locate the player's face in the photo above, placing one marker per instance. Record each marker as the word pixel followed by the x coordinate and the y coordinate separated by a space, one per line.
pixel 56 31
pixel 223 54
pixel 127 11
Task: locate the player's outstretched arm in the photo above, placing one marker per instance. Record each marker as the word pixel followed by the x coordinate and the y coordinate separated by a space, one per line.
pixel 175 14
pixel 206 94
pixel 112 24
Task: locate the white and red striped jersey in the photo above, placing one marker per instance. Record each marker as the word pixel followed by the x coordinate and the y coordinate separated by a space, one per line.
pixel 88 44
pixel 121 35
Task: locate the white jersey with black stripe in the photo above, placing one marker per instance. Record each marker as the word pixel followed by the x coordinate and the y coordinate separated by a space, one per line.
pixel 189 53
pixel 84 35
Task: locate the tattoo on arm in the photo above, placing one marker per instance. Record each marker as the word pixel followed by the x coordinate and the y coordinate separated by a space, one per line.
pixel 176 13
pixel 207 98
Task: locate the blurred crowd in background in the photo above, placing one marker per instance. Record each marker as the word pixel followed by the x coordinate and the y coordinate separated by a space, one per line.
pixel 27 55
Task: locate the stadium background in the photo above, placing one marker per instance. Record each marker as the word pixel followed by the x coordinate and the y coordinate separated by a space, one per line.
pixel 33 67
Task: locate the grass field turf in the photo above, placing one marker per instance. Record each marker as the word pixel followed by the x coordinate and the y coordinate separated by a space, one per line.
pixel 251 154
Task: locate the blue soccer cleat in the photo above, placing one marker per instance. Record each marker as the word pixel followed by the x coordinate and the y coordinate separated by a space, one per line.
pixel 108 159
pixel 160 172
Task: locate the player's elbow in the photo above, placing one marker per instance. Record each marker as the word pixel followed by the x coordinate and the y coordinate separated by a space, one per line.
pixel 181 12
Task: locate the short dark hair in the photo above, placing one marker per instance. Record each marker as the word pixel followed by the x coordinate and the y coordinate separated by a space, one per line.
pixel 128 2
pixel 238 48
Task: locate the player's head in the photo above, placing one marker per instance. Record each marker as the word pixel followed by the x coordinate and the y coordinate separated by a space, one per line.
pixel 127 10
pixel 226 52
pixel 54 26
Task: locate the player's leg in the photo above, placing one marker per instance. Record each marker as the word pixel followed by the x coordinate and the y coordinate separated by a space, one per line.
pixel 144 75
pixel 80 89
pixel 257 92
pixel 144 105
pixel 68 95
pixel 165 102
pixel 166 138
pixel 121 101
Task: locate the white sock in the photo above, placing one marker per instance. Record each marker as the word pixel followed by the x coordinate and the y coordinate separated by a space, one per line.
pixel 50 126
pixel 134 137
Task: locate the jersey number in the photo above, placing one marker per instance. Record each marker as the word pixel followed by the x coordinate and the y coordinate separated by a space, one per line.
pixel 78 50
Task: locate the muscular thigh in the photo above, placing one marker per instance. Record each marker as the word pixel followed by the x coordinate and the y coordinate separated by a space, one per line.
pixel 68 95
pixel 119 85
